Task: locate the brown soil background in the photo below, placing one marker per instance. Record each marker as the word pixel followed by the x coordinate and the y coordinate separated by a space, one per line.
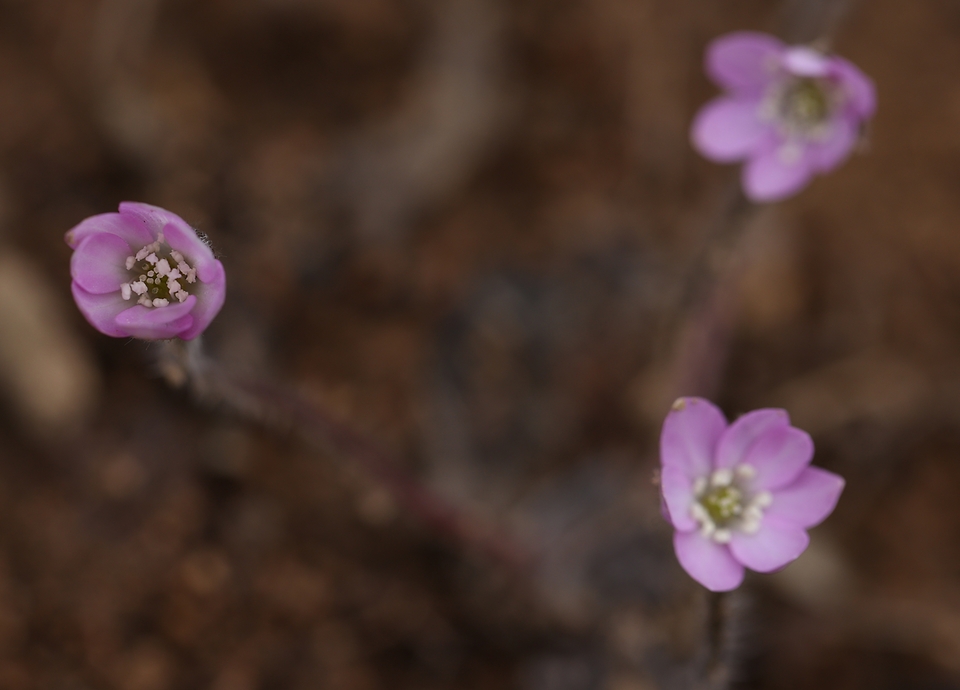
pixel 463 227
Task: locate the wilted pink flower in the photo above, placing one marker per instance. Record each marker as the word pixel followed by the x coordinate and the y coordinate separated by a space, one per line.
pixel 739 495
pixel 790 112
pixel 144 273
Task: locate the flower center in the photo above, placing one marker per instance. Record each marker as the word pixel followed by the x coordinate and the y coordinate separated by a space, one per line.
pixel 801 107
pixel 806 103
pixel 725 501
pixel 159 274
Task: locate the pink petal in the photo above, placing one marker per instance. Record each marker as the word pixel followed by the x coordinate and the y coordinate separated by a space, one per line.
pixel 727 130
pixel 828 154
pixel 768 177
pixel 113 223
pixel 101 311
pixel 152 219
pixel 97 265
pixel 771 548
pixel 677 492
pixel 709 563
pixel 808 500
pixel 689 436
pixel 779 456
pixel 184 239
pixel 744 62
pixel 739 436
pixel 857 86
pixel 806 62
pixel 210 297
pixel 158 323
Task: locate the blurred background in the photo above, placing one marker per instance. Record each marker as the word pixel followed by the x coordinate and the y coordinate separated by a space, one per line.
pixel 469 229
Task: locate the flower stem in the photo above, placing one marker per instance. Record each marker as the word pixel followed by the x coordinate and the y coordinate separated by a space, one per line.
pixel 276 407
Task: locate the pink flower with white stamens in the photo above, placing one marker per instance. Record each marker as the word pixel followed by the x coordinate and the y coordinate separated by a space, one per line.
pixel 144 273
pixel 790 112
pixel 739 495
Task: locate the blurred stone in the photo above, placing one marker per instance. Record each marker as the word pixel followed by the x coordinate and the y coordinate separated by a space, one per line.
pixel 45 370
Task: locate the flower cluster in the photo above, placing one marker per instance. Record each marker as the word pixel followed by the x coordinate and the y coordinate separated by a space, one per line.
pixel 790 112
pixel 739 495
pixel 144 273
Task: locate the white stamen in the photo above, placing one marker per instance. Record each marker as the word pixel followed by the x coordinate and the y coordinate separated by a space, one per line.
pixel 746 471
pixel 752 513
pixel 173 286
pixel 141 254
pixel 151 273
pixel 182 295
pixel 177 256
pixel 708 528
pixel 722 477
pixel 722 536
pixel 163 267
pixel 152 257
pixel 160 302
pixel 699 513
pixel 699 486
pixel 174 274
pixel 130 262
pixel 160 239
pixel 125 290
pixel 138 287
pixel 750 526
pixel 762 499
pixel 145 301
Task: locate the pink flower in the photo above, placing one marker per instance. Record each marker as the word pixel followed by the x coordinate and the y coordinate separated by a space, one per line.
pixel 144 273
pixel 790 112
pixel 739 495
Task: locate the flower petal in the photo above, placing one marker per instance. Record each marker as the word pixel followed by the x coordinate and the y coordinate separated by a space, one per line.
pixel 744 62
pixel 771 176
pixel 739 436
pixel 803 61
pixel 97 265
pixel 210 297
pixel 147 217
pixel 709 563
pixel 677 491
pixel 115 224
pixel 827 154
pixel 727 129
pixel 184 239
pixel 775 545
pixel 101 311
pixel 858 87
pixel 158 323
pixel 689 436
pixel 808 500
pixel 779 456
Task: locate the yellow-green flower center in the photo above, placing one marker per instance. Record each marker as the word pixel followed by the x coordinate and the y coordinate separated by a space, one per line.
pixel 806 103
pixel 723 503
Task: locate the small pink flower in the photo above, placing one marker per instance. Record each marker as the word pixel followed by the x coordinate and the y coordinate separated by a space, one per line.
pixel 790 112
pixel 144 273
pixel 739 495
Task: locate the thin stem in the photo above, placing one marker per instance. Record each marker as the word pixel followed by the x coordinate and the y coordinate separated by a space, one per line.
pixel 276 407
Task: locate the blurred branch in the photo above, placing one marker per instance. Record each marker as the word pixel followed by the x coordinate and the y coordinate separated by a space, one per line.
pixel 813 21
pixel 275 407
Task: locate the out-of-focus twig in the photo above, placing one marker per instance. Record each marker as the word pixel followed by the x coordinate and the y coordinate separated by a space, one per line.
pixel 813 21
pixel 272 405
